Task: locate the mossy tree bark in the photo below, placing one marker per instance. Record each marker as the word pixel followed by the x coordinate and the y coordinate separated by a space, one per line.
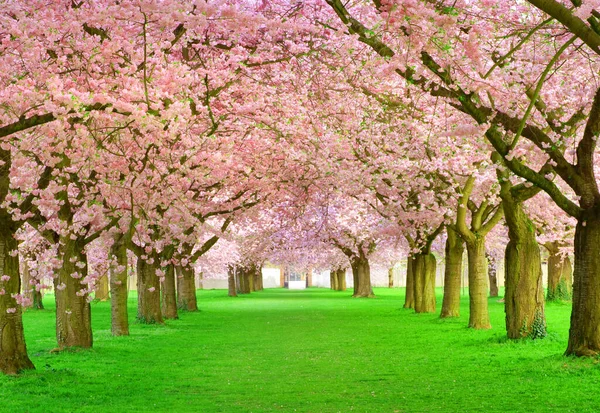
pixel 455 248
pixel 492 275
pixel 169 295
pixel 102 288
pixel 560 274
pixel 424 270
pixel 409 298
pixel 73 312
pixel 186 289
pixel 524 291
pixel 119 292
pixel 13 351
pixel 148 288
pixel 484 218
pixel 584 334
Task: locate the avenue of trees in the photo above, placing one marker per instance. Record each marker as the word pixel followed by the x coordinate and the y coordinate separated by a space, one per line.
pixel 161 135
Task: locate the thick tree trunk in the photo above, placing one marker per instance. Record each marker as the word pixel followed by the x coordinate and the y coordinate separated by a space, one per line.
pixel 148 289
pixel 341 279
pixel 186 289
pixel 492 275
pixel 409 300
pixel 119 292
pixel 455 248
pixel 13 351
pixel 424 267
pixel 391 277
pixel 584 334
pixel 478 305
pixel 73 312
pixel 560 274
pixel 30 291
pixel 333 280
pixel 256 274
pixel 101 290
pixel 169 295
pixel 524 291
pixel 231 282
pixel 361 272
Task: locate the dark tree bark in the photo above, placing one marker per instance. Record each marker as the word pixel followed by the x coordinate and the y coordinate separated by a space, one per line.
pixel 455 248
pixel 492 275
pixel 409 299
pixel 73 312
pixel 13 351
pixel 584 334
pixel 186 289
pixel 169 295
pixel 424 267
pixel 148 288
pixel 560 274
pixel 119 291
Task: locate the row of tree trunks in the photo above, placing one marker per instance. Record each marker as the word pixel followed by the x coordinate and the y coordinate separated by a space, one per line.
pixel 560 274
pixel 455 248
pixel 13 351
pixel 119 291
pixel 338 279
pixel 73 312
pixel 186 289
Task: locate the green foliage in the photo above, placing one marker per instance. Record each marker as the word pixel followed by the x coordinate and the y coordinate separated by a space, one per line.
pixel 310 351
pixel 562 292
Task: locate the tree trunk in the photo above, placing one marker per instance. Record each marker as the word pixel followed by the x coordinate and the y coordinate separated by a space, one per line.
pixel 478 305
pixel 362 277
pixel 309 278
pixel 341 279
pixel 73 312
pixel 584 334
pixel 409 300
pixel 560 274
pixel 101 290
pixel 119 292
pixel 333 280
pixel 169 295
pixel 424 266
pixel 148 289
pixel 455 248
pixel 249 275
pixel 524 291
pixel 186 289
pixel 30 290
pixel 200 281
pixel 492 275
pixel 13 351
pixel 391 277
pixel 231 283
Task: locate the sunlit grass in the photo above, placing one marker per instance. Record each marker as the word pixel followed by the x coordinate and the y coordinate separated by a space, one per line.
pixel 307 351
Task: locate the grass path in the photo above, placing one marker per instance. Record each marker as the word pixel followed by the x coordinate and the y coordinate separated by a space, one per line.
pixel 309 351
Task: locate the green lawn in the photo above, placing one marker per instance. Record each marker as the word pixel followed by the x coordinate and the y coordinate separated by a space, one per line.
pixel 307 351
